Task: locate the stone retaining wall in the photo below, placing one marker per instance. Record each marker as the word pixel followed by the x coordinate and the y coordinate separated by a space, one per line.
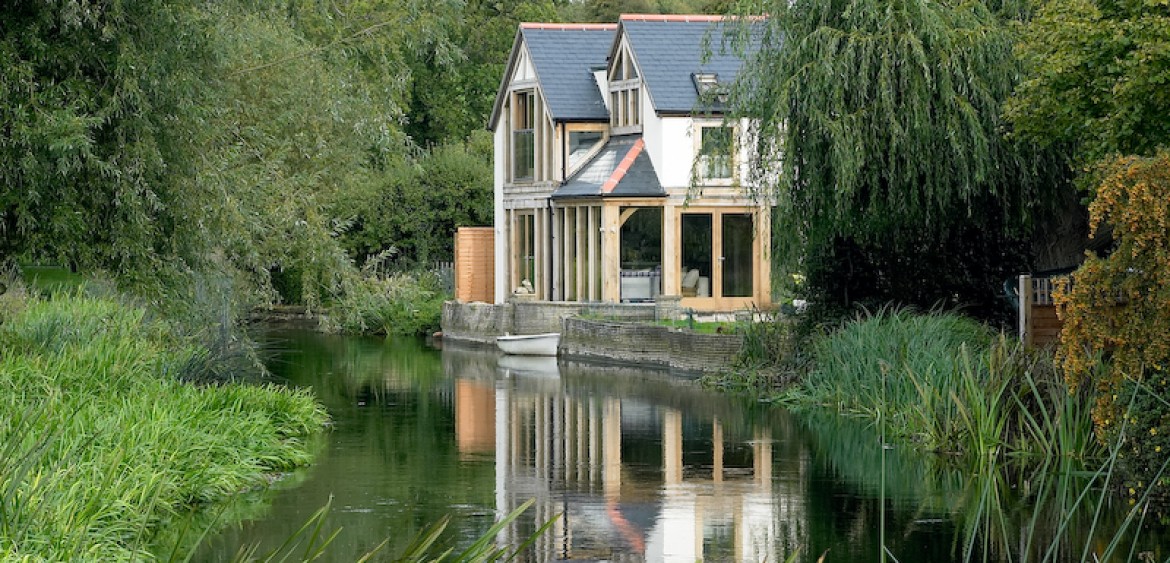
pixel 482 322
pixel 627 340
pixel 648 345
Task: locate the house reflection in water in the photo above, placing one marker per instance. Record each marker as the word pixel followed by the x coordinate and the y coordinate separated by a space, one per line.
pixel 637 470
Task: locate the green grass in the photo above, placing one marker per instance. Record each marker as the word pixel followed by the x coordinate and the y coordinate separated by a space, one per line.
pixel 706 327
pixel 102 441
pixel 50 278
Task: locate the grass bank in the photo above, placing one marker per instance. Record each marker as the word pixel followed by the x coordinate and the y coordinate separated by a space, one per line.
pixel 102 441
pixel 1029 480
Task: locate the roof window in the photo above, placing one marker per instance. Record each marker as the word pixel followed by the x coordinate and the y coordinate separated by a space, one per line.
pixel 708 86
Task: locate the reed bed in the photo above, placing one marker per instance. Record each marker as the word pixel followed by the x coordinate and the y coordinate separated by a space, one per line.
pixel 102 441
pixel 949 384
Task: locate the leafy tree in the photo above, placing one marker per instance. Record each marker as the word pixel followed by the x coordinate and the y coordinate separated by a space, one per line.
pixel 1098 77
pixel 879 127
pixel 1118 309
pixel 409 217
pixel 99 101
pixel 453 89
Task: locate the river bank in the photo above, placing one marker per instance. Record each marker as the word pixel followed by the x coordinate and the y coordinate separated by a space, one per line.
pixel 104 438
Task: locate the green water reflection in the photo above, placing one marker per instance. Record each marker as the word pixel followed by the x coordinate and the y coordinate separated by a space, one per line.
pixel 639 465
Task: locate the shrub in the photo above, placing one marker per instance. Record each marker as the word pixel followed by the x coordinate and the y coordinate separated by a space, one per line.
pixel 401 303
pixel 1116 335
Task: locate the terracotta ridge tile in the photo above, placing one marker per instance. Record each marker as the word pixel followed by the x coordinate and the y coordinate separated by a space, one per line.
pixel 568 26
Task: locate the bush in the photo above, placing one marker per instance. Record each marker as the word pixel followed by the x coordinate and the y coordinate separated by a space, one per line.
pixel 411 212
pixel 402 303
pixel 1116 335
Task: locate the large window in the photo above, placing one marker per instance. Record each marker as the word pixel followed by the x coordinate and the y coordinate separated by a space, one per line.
pixel 524 251
pixel 523 135
pixel 716 153
pixel 717 251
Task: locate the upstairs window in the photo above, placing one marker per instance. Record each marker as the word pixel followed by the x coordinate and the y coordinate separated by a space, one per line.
pixel 523 135
pixel 716 153
pixel 624 91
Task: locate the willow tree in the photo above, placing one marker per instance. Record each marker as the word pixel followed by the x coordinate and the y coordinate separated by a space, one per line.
pixel 880 135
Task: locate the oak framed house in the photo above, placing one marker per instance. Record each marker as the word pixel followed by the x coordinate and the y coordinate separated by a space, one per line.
pixel 617 178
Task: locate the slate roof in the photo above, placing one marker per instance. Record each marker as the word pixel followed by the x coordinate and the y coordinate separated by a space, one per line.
pixel 596 178
pixel 669 50
pixel 563 56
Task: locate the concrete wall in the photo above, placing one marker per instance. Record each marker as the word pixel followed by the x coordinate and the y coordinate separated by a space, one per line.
pixel 475 322
pixel 648 345
pixel 628 341
pixel 483 322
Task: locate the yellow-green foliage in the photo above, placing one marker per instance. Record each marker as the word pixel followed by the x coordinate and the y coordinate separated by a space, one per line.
pixel 100 441
pixel 1118 310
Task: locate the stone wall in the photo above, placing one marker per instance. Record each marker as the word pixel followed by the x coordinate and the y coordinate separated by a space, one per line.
pixel 475 322
pixel 536 317
pixel 483 322
pixel 627 340
pixel 648 345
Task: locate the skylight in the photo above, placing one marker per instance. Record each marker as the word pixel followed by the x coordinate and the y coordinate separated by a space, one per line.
pixel 708 86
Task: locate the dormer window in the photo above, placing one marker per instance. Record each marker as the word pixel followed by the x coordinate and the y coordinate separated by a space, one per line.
pixel 625 87
pixel 582 145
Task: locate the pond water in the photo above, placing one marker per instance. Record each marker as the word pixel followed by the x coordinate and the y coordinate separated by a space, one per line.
pixel 639 466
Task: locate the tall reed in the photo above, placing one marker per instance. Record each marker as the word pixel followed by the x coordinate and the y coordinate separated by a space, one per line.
pixel 949 384
pixel 102 441
pixel 398 303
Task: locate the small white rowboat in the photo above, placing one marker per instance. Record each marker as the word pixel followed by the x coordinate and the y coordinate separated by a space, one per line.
pixel 529 344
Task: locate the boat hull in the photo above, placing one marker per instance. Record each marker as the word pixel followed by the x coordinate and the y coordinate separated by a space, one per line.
pixel 529 344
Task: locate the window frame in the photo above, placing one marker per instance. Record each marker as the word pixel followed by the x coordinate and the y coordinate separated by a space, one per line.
pixel 519 115
pixel 625 93
pixel 572 167
pixel 700 164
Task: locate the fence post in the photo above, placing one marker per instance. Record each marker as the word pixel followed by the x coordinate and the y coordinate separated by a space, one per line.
pixel 1025 312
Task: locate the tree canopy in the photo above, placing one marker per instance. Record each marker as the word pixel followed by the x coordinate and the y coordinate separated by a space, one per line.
pixel 158 139
pixel 1098 77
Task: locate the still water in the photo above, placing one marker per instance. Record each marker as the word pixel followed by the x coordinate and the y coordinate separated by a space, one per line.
pixel 636 465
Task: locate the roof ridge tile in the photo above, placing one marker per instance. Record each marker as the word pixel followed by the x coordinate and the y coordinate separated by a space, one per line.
pixel 569 26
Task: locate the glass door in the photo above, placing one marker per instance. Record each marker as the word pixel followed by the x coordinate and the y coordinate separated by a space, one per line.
pixel 697 266
pixel 716 255
pixel 737 255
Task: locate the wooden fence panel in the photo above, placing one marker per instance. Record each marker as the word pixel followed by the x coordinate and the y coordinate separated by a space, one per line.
pixel 475 266
pixel 1039 324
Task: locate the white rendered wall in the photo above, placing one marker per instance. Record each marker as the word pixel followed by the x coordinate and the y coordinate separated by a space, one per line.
pixel 677 153
pixel 672 146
